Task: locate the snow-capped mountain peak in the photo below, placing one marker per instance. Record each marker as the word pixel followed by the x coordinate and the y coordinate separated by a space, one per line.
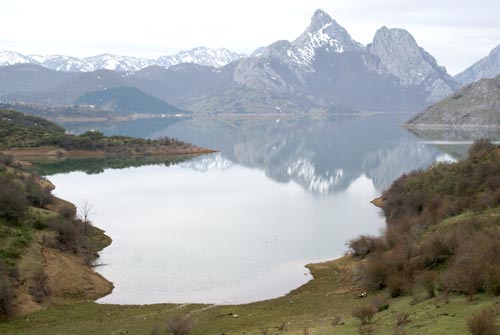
pixel 11 58
pixel 323 31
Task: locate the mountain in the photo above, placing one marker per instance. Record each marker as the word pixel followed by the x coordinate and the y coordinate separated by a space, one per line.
pixel 89 64
pixel 488 67
pixel 126 101
pixel 477 104
pixel 57 88
pixel 29 78
pixel 399 55
pixel 323 31
pixel 202 56
pixel 324 69
pixel 325 66
pixel 10 58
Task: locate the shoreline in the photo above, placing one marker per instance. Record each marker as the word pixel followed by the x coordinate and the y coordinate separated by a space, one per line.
pixel 55 152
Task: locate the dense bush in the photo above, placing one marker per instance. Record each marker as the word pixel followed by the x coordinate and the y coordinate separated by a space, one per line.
pixel 13 201
pixel 6 293
pixel 483 323
pixel 364 245
pixel 364 313
pixel 444 218
pixel 180 324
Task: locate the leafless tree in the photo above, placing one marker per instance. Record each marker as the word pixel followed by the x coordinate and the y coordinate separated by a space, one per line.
pixel 85 211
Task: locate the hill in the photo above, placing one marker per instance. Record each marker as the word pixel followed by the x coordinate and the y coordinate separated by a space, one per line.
pixel 19 130
pixel 443 230
pixel 25 136
pixel 45 250
pixel 126 101
pixel 477 104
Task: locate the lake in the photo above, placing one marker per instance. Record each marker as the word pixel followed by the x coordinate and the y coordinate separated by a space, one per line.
pixel 240 225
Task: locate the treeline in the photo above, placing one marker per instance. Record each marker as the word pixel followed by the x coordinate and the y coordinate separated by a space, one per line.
pixel 31 216
pixel 442 230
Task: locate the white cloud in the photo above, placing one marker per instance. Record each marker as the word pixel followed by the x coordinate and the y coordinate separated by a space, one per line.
pixel 456 32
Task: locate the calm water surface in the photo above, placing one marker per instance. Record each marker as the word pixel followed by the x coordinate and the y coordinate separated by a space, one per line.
pixel 239 226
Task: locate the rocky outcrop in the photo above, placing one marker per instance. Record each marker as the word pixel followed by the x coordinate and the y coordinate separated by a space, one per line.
pixel 401 56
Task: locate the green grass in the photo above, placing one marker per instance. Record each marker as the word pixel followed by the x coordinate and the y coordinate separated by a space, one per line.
pixel 312 306
pixel 13 241
pixel 19 130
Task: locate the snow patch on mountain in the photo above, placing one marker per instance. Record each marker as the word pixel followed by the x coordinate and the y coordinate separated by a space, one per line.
pixel 323 32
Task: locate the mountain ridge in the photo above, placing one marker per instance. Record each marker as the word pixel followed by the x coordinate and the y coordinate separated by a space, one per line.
pixel 487 67
pixel 322 68
pixel 215 57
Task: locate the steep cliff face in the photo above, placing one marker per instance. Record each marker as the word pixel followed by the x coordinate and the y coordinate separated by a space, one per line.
pixel 401 56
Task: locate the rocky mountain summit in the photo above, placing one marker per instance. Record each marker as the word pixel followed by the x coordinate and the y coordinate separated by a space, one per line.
pixel 400 55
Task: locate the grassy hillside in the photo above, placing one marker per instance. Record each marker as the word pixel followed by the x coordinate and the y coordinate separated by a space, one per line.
pixel 443 228
pixel 29 132
pixel 127 100
pixel 37 232
pixel 19 130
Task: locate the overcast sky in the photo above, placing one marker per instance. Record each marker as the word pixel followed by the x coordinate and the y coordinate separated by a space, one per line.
pixel 456 32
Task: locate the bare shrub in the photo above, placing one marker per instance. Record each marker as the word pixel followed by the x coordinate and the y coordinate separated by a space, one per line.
pixel 13 201
pixel 364 313
pixel 437 249
pixel 6 295
pixel 402 319
pixel 180 324
pixel 380 303
pixel 67 211
pixel 364 245
pixel 398 285
pixel 475 267
pixel 427 280
pixel 376 273
pixel 38 288
pixel 483 323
